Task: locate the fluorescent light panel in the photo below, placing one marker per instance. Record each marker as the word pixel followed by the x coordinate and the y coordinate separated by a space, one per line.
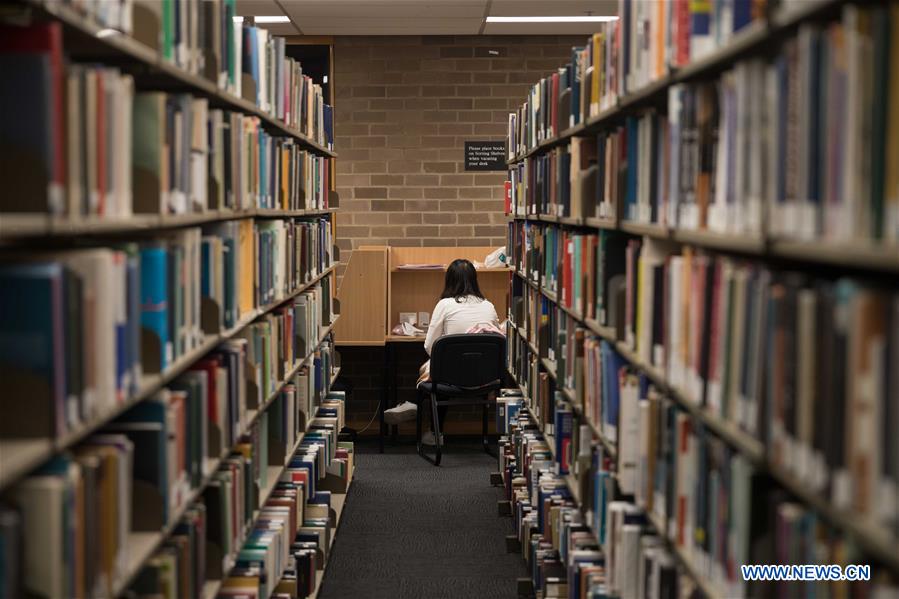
pixel 552 19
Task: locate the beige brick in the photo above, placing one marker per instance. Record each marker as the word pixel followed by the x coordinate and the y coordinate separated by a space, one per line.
pixel 405 218
pixel 441 218
pixel 423 180
pixel 476 193
pixel 456 181
pixel 386 179
pixel 423 231
pixel 455 103
pixel 489 230
pixel 370 193
pixel 491 103
pixel 369 91
pixel 441 193
pixel 353 231
pixel 369 141
pixel 437 91
pixel 470 218
pixel 368 218
pixel 420 205
pixel 420 104
pixel 403 166
pixel 387 205
pixel 492 78
pixel 438 141
pixel 455 129
pixel 387 231
pixel 405 193
pixel 424 154
pixel 439 242
pixel 457 231
pixel 404 242
pixel 439 167
pixel 455 206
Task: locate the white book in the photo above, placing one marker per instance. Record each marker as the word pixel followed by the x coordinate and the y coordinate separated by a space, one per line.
pixel 44 501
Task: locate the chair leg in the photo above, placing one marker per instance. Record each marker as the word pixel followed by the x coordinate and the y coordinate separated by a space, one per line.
pixel 418 428
pixel 484 428
pixel 436 416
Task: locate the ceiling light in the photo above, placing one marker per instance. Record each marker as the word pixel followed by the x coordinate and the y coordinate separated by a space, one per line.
pixel 551 19
pixel 272 19
pixel 238 19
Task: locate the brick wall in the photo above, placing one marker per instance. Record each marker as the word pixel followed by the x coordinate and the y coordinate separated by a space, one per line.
pixel 404 108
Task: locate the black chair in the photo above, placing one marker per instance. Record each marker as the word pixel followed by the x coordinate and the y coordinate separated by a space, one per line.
pixel 465 370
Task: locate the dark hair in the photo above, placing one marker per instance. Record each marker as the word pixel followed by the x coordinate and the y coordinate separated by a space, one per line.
pixel 461 280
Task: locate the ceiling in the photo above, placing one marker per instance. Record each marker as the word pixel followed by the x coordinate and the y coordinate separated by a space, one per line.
pixel 423 17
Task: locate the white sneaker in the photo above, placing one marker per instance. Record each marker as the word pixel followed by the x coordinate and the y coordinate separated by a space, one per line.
pixel 401 413
pixel 427 438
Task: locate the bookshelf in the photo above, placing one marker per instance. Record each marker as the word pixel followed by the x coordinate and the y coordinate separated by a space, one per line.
pixel 597 294
pixel 240 365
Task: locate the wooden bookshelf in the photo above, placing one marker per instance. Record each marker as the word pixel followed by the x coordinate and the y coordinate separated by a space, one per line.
pixel 86 41
pixel 19 456
pixel 874 541
pixel 19 227
pixel 83 40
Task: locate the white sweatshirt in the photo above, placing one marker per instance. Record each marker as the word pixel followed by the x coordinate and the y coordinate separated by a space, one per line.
pixel 454 318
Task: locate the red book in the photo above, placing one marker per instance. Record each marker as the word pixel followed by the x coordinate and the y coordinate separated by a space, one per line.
pixel 210 366
pixel 682 32
pixel 508 195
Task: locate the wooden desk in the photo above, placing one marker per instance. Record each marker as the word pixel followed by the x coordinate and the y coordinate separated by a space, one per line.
pixel 374 291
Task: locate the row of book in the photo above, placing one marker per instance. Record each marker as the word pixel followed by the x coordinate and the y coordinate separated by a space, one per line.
pixel 623 57
pixel 679 484
pixel 85 143
pixel 760 349
pixel 583 179
pixel 579 269
pixel 799 146
pixel 207 38
pixel 148 468
pixel 95 321
pixel 264 546
pixel 567 554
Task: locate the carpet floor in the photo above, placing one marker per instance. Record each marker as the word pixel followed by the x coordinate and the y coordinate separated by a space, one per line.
pixel 411 530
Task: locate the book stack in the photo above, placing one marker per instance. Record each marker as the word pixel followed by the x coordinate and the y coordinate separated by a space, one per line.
pixel 167 303
pixel 703 320
pixel 624 57
pixel 208 40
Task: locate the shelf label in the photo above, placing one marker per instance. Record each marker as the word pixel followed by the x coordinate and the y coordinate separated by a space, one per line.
pixel 485 155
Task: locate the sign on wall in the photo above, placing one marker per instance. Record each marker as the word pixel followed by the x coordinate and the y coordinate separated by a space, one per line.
pixel 485 155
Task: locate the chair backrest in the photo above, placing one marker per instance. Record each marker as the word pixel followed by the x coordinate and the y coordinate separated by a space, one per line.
pixel 469 360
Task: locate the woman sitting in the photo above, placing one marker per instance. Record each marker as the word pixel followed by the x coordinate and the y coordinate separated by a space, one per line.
pixel 462 309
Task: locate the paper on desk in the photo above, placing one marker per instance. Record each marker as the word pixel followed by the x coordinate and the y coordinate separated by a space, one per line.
pixel 407 330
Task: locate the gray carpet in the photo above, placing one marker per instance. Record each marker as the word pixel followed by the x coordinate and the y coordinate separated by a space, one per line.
pixel 411 530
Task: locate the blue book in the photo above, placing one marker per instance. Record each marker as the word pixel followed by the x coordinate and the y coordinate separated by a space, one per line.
pixel 154 308
pixel 742 13
pixel 32 349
